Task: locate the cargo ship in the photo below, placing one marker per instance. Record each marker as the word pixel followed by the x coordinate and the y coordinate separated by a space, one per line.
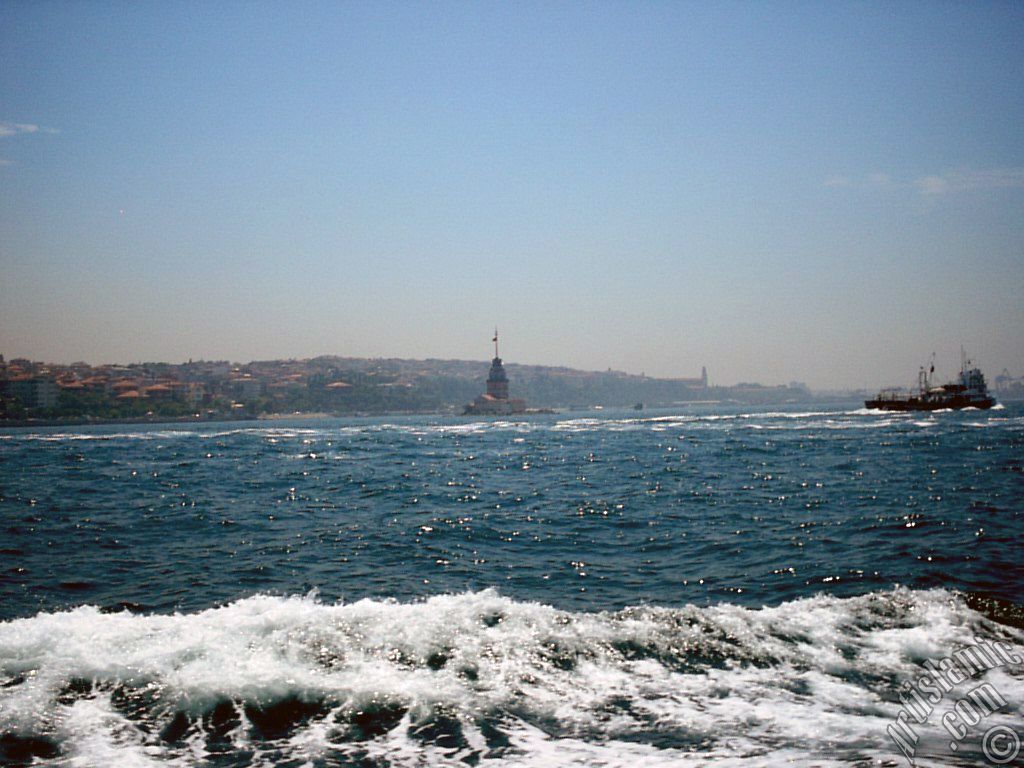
pixel 968 391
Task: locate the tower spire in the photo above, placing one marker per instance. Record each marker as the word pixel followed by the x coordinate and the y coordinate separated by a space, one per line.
pixel 495 340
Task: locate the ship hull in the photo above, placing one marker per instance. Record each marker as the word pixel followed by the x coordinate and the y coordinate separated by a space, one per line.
pixel 918 404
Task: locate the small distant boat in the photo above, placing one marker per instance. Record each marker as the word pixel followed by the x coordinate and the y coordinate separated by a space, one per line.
pixel 969 391
pixel 638 407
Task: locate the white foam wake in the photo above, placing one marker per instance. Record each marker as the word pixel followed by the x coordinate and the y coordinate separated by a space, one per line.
pixel 481 677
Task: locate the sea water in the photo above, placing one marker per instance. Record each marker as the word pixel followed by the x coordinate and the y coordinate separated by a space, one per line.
pixel 691 586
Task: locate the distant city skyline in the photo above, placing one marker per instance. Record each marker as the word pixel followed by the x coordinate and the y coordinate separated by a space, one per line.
pixel 821 193
pixel 936 374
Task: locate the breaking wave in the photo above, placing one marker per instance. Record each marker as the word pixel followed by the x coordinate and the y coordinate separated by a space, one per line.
pixel 480 679
pixel 859 418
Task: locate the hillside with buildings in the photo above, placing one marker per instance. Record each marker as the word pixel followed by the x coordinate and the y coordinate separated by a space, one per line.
pixel 335 385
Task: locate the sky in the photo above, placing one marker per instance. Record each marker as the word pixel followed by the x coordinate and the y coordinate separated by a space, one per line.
pixel 780 191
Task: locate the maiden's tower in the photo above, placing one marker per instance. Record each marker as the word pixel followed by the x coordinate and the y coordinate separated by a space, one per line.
pixel 495 401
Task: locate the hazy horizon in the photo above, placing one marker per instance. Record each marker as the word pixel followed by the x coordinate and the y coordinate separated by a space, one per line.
pixel 822 193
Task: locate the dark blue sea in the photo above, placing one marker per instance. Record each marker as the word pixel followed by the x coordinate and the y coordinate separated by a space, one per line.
pixel 707 585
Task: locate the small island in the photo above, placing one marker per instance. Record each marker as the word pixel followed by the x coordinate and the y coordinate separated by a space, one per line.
pixel 495 401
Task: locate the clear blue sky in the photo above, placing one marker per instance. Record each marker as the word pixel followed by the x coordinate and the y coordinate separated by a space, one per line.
pixel 826 192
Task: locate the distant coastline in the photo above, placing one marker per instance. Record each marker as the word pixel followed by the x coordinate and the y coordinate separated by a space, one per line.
pixel 217 419
pixel 98 422
pixel 35 393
